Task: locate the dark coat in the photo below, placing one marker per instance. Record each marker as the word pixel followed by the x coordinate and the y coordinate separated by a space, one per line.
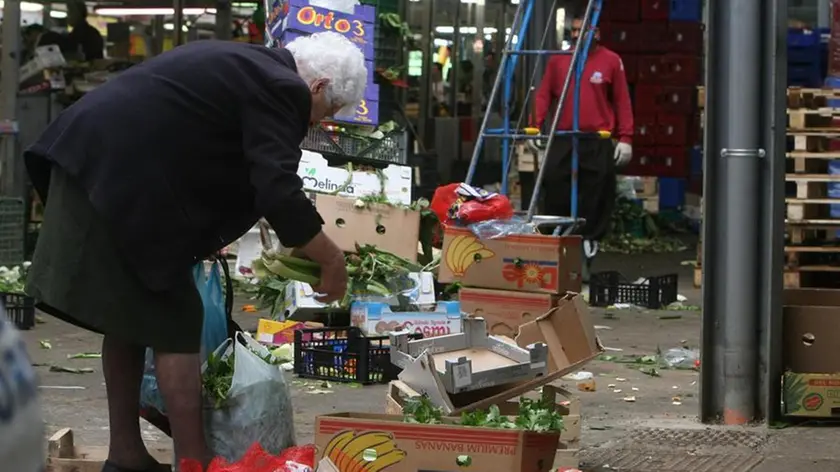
pixel 183 153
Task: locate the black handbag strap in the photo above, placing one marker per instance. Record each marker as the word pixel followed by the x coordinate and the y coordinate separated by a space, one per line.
pixel 233 327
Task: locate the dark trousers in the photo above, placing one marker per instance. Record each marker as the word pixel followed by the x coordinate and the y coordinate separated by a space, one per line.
pixel 596 183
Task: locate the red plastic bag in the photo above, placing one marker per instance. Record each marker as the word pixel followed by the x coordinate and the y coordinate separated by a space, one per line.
pixel 460 203
pixel 293 459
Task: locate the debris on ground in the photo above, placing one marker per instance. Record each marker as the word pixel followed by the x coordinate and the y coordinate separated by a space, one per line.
pixel 71 370
pixel 45 344
pixel 85 355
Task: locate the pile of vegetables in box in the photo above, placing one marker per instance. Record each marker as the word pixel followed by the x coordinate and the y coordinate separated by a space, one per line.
pixel 534 415
pixel 13 280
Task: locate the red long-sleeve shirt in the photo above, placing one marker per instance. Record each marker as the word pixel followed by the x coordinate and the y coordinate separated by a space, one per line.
pixel 604 97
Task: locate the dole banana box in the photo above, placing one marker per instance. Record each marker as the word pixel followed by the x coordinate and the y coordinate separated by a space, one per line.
pixel 374 443
pixel 525 263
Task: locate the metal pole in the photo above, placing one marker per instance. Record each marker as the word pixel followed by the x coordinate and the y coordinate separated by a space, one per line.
pixel 178 23
pixel 224 20
pixel 478 69
pixel 772 201
pixel 46 16
pixel 9 85
pixel 427 44
pixel 730 340
pixel 158 34
pixel 455 60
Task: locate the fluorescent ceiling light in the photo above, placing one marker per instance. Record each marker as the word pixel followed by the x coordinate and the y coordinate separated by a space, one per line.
pixel 151 11
pixel 171 27
pixel 466 30
pixel 27 6
pixel 58 14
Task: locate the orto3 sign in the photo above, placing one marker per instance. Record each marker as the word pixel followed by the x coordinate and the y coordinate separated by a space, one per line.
pixel 328 22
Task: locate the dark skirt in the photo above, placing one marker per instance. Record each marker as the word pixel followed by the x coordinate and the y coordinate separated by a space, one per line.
pixel 79 276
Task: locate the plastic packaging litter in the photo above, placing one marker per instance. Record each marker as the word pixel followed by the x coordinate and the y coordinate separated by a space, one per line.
pixel 626 187
pixel 494 229
pixel 682 358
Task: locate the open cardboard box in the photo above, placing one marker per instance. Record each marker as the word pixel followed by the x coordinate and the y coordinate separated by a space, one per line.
pixel 565 401
pixel 811 383
pixel 392 229
pixel 386 442
pixel 569 335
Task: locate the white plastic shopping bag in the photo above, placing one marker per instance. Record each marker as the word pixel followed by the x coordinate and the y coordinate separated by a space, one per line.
pixel 258 408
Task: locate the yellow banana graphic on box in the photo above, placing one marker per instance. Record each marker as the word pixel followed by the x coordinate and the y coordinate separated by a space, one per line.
pixel 464 251
pixel 372 451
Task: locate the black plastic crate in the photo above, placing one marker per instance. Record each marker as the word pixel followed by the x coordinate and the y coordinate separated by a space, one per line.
pixel 344 355
pixel 391 149
pixel 20 309
pixel 609 288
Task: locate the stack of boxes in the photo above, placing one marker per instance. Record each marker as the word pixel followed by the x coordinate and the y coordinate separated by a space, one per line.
pixel 807 57
pixel 290 19
pixel 661 45
pixel 513 279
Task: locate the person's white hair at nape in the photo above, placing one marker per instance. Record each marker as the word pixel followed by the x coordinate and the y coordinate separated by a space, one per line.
pixel 331 56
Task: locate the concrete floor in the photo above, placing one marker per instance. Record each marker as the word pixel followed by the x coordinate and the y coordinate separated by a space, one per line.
pixel 609 422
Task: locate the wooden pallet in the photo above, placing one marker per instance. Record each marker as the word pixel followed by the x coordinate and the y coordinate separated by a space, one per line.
pixel 698 276
pixel 64 456
pixel 812 98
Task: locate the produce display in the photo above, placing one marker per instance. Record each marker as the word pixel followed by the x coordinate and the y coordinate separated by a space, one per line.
pixel 13 280
pixel 372 272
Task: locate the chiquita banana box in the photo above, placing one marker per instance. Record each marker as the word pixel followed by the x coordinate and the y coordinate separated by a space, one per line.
pixel 374 443
pixel 526 262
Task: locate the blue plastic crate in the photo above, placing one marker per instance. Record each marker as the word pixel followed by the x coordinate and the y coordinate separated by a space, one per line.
pixel 803 38
pixel 804 55
pixel 671 193
pixel 805 75
pixel 686 10
pixel 696 161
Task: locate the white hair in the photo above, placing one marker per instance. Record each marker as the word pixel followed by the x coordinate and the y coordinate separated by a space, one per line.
pixel 331 56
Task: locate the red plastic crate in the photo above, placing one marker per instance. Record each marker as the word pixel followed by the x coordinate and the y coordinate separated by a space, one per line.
pixel 645 130
pixel 677 99
pixel 684 37
pixel 672 129
pixel 620 10
pixel 669 161
pixel 652 37
pixel 670 69
pixel 631 68
pixel 650 69
pixel 620 37
pixel 658 10
pixel 646 98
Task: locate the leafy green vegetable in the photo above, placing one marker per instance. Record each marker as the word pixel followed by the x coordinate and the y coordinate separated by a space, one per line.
pixel 534 415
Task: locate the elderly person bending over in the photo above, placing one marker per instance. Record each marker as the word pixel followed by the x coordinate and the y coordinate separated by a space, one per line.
pixel 159 168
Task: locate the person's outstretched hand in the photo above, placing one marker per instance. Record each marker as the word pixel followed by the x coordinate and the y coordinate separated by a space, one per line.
pixel 324 251
pixel 623 154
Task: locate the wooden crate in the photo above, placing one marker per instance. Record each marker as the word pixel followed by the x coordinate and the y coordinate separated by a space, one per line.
pixel 568 452
pixel 64 456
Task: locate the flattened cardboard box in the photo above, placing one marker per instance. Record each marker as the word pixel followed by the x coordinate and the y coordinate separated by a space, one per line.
pixel 569 335
pixel 528 262
pixel 359 441
pixel 391 229
pixel 505 311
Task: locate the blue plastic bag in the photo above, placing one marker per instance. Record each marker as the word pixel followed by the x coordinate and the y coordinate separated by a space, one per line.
pixel 213 334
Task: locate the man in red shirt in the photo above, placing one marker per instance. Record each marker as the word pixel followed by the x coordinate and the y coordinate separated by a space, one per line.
pixel 604 106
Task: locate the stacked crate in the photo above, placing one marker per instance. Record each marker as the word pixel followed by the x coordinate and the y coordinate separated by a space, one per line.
pixel 812 247
pixel 807 57
pixel 388 53
pixel 661 45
